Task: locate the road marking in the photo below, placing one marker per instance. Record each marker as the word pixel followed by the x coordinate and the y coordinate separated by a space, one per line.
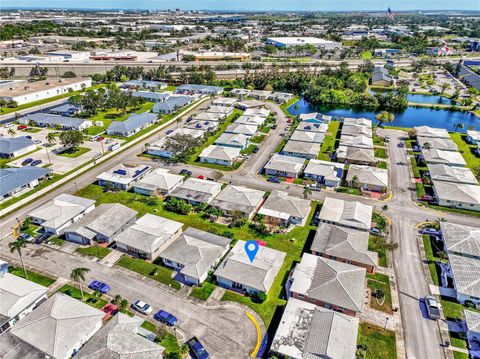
pixel 259 334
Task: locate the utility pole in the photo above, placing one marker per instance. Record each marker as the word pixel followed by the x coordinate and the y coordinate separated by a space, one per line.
pixel 48 155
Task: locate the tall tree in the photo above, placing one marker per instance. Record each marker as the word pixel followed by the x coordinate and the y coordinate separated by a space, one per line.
pixel 17 246
pixel 78 275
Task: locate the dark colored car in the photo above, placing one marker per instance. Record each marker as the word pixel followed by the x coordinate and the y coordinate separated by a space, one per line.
pixel 273 179
pixel 401 145
pixel 27 161
pixel 169 132
pixel 25 237
pixel 186 172
pixel 100 138
pixel 196 349
pixel 29 137
pixel 36 162
pixel 100 286
pixel 165 317
pixel 42 238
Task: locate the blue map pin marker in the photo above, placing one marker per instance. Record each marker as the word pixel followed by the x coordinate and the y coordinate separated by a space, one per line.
pixel 251 247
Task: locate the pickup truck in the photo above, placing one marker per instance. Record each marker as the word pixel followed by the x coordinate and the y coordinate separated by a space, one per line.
pixel 196 349
pixel 433 308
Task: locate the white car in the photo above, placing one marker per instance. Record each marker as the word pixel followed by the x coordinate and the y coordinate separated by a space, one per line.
pixel 142 307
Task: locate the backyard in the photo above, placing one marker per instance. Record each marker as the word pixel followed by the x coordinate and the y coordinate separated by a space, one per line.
pixel 379 343
pixel 380 282
pixel 32 276
pixel 90 299
pixel 330 141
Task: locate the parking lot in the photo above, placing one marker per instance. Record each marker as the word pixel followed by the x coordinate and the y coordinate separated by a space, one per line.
pixel 49 154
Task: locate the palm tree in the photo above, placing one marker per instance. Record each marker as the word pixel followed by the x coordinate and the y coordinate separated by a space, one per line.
pixel 306 192
pixel 445 86
pixel 117 299
pixel 384 208
pixel 78 275
pixel 458 126
pixel 123 304
pixel 11 132
pixel 384 117
pixel 17 246
pixel 51 138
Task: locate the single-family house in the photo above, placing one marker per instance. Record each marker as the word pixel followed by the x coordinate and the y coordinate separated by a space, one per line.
pixel 360 141
pixel 220 155
pixel 280 97
pixel 250 120
pixel 380 77
pixel 238 273
pixel 14 181
pixel 445 144
pixel 60 326
pixel 449 158
pixel 248 104
pixel 327 283
pixel 160 181
pixel 355 155
pixel 196 191
pixel 307 150
pixel 224 101
pixel 102 224
pixel 41 119
pixel 122 177
pixel 121 338
pixel 154 85
pixel 64 110
pixel 473 136
pixel 326 173
pixel 310 331
pixel 240 92
pixel 209 116
pixel 237 199
pixel 132 125
pixel 282 209
pixel 194 253
pixel 260 94
pixel 235 140
pixel 18 298
pixel 461 239
pixel 205 126
pixel 199 89
pixel 466 277
pixel 309 137
pixel 351 214
pixel 472 322
pixel 355 121
pixel 284 166
pixel 148 236
pixel 457 195
pixel 356 130
pixel 441 172
pixel 11 147
pixel 426 131
pixel 312 127
pixel 344 244
pixel 367 178
pixel 260 112
pixel 222 110
pixel 247 130
pixel 315 118
pixel 150 96
pixel 60 212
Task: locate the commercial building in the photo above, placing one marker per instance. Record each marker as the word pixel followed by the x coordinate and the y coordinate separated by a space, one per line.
pixel 284 42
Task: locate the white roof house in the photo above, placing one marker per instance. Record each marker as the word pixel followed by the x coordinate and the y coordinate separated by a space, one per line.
pixel 224 110
pixel 307 330
pixel 472 321
pixel 426 131
pixel 312 127
pixel 356 130
pixel 148 236
pixel 61 211
pixel 120 339
pixel 260 94
pixel 18 297
pixel 306 136
pixel 247 130
pixel 351 214
pixel 355 154
pixel 209 126
pixel 236 198
pixel 281 206
pixel 197 190
pixel 328 172
pixel 286 166
pixel 232 140
pixel 160 180
pixel 461 239
pixel 329 282
pixel 443 157
pixel 261 112
pixel 445 144
pixel 195 253
pixel 122 177
pixel 224 101
pixel 306 150
pixel 356 141
pixel 457 195
pixel 441 172
pixel 370 177
pixel 209 116
pixel 220 155
pixel 59 326
pixel 466 275
pixel 237 271
pixel 250 120
pixel 349 121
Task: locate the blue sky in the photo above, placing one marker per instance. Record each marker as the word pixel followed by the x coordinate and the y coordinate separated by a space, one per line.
pixel 280 5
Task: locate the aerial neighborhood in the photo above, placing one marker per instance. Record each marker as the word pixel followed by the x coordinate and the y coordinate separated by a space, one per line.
pixel 228 182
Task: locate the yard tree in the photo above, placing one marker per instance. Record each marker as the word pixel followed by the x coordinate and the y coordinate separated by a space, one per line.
pixel 384 117
pixel 78 275
pixel 182 146
pixel 17 246
pixel 71 139
pixel 51 138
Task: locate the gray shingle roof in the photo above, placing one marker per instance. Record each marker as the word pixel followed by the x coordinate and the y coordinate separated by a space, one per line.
pixel 197 250
pixel 366 155
pixel 119 339
pixel 58 324
pixel 329 281
pixel 461 238
pixel 466 193
pixel 155 96
pixel 54 120
pixel 238 198
pixel 10 145
pixel 133 122
pixel 13 178
pixel 368 175
pixel 380 73
pixel 473 320
pixel 346 243
pixel 346 213
pixel 279 201
pixel 172 103
pixel 466 274
pixel 453 174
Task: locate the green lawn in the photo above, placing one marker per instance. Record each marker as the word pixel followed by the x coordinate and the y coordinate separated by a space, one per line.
pixel 56 240
pixel 151 270
pixel 381 282
pixel 76 153
pixel 95 251
pixel 349 190
pixel 170 343
pixel 459 355
pixel 203 291
pixel 457 341
pixel 329 142
pixel 376 244
pixel 117 115
pixel 32 276
pixel 258 138
pixel 473 162
pixel 380 343
pixel 248 150
pixel 380 152
pixel 149 326
pixel 284 107
pixel 89 299
pixel 382 165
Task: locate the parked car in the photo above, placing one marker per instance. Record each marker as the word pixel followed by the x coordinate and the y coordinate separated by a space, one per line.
pixel 430 230
pixel 36 162
pixel 201 177
pixel 255 150
pixel 142 307
pixel 186 172
pixel 427 198
pixel 314 187
pixel 169 132
pixel 100 286
pixel 165 317
pixel 273 179
pixel 42 238
pixel 29 137
pixel 27 161
pixel 197 350
pixel 22 127
pixel 25 237
pixel 387 139
pixel 433 307
pixel 109 140
pixel 401 144
pixel 100 138
pixel 37 142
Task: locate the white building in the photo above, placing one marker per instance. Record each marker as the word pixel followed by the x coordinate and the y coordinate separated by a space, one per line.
pixel 220 155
